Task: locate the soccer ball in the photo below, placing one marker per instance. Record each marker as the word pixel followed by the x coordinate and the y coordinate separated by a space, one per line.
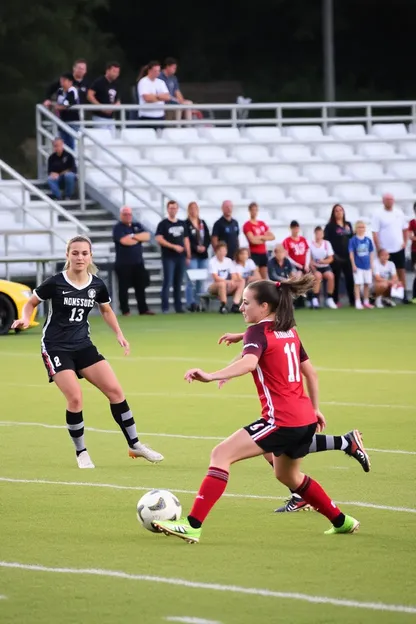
pixel 158 505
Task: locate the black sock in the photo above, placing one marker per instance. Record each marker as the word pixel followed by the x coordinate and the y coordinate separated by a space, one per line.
pixel 124 418
pixel 414 288
pixel 195 524
pixel 338 521
pixel 75 426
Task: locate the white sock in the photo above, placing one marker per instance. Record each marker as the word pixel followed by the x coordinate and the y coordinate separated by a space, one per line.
pixel 378 299
pixel 344 443
pixel 366 301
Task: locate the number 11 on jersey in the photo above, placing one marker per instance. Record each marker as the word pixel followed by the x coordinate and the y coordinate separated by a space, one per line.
pixel 292 362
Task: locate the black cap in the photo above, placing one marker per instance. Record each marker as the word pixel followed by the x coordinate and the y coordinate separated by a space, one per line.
pixel 294 224
pixel 68 76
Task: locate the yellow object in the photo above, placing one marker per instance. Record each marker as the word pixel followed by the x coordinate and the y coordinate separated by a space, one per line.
pixel 17 295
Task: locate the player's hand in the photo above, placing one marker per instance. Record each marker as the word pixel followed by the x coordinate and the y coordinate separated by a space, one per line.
pixel 321 421
pixel 20 324
pixel 123 343
pixel 222 382
pixel 230 339
pixel 196 374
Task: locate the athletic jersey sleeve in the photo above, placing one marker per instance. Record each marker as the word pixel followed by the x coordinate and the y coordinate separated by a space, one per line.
pixel 255 341
pixel 46 290
pixel 102 295
pixel 303 356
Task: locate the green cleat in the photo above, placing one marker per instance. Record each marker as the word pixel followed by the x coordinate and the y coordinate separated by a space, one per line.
pixel 180 528
pixel 351 525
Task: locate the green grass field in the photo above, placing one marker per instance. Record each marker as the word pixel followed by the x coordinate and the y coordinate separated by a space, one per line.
pixel 97 565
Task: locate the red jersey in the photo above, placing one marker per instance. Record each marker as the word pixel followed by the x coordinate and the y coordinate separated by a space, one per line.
pixel 296 249
pixel 412 228
pixel 257 229
pixel 277 377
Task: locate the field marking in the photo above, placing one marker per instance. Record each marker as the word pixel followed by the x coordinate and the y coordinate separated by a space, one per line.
pixel 3 597
pixel 229 589
pixel 226 494
pixel 195 360
pixel 190 620
pixel 11 423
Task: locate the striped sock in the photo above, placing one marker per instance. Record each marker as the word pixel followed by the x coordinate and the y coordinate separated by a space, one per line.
pixel 328 443
pixel 211 490
pixel 75 426
pixel 124 418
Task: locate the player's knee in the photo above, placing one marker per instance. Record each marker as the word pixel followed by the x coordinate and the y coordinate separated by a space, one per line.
pixel 74 402
pixel 218 455
pixel 114 394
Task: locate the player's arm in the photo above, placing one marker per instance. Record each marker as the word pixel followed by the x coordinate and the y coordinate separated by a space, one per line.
pixel 24 321
pixel 111 320
pixel 244 365
pixel 230 339
pixel 268 236
pixel 312 384
pixel 254 240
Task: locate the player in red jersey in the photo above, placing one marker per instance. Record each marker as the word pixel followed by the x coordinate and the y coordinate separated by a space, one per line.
pixel 274 354
pixel 257 233
pixel 297 248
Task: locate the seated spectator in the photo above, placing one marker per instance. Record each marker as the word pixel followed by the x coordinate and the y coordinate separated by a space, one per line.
pixel 61 171
pixel 168 75
pixel 224 280
pixel 257 233
pixel 279 267
pixel 412 237
pixel 200 240
pixel 322 256
pixel 152 93
pixel 361 251
pixel 81 82
pixel 297 249
pixel 385 276
pixel 245 267
pixel 67 98
pixel 105 90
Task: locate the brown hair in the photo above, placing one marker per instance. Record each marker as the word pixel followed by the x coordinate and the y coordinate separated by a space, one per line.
pixel 279 296
pixel 170 202
pixel 81 239
pixel 219 245
pixel 252 204
pixel 332 217
pixel 238 252
pixel 193 203
pixel 145 69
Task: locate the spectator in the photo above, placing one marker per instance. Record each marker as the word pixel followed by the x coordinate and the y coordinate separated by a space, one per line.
pixel 67 98
pixel 362 259
pixel 390 231
pixel 226 229
pixel 279 267
pixel 128 236
pixel 172 236
pixel 385 277
pixel 61 171
pixel 168 75
pixel 245 267
pixel 338 232
pixel 412 236
pixel 152 93
pixel 322 255
pixel 105 90
pixel 224 280
pixel 297 249
pixel 79 72
pixel 257 233
pixel 199 240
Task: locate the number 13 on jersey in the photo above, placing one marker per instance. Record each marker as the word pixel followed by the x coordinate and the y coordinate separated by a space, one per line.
pixel 77 314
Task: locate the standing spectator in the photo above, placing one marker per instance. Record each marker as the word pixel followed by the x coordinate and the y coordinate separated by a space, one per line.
pixel 390 231
pixel 245 267
pixel 338 232
pixel 168 75
pixel 61 171
pixel 412 236
pixel 362 259
pixel 172 236
pixel 105 90
pixel 224 280
pixel 257 233
pixel 279 268
pixel 385 277
pixel 67 98
pixel 128 236
pixel 81 82
pixel 199 240
pixel 226 229
pixel 322 256
pixel 152 93
pixel 297 249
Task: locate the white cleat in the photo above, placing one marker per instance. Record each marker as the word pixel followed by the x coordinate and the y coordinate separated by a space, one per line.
pixel 84 460
pixel 141 450
pixel 359 305
pixel 330 303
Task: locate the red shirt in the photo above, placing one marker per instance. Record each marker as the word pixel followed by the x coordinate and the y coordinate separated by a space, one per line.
pixel 412 228
pixel 296 249
pixel 257 229
pixel 277 377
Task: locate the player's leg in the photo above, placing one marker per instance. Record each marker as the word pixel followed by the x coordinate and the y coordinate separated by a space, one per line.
pixel 220 290
pixel 330 283
pixel 366 290
pixel 316 289
pixel 236 289
pixel 101 375
pixel 381 289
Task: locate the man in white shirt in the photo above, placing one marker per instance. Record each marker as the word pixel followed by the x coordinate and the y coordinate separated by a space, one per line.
pixel 152 93
pixel 224 280
pixel 390 231
pixel 385 276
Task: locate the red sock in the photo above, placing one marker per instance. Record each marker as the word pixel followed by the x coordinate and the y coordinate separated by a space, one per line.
pixel 316 496
pixel 211 490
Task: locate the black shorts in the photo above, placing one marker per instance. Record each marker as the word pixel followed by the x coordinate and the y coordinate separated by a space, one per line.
pixel 56 361
pixel 414 258
pixel 398 258
pixel 323 270
pixel 260 260
pixel 291 441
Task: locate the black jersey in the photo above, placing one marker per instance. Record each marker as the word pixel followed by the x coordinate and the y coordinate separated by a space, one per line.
pixel 66 327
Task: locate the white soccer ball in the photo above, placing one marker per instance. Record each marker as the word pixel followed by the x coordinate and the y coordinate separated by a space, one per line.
pixel 158 505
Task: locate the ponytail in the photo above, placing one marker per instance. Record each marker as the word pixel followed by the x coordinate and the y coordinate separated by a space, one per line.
pixel 92 268
pixel 145 69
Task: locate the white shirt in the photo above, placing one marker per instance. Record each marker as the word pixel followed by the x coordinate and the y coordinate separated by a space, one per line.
pixel 247 270
pixel 319 252
pixel 386 271
pixel 223 269
pixel 151 87
pixel 389 224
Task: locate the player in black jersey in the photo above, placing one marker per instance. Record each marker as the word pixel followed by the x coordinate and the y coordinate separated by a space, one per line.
pixel 68 352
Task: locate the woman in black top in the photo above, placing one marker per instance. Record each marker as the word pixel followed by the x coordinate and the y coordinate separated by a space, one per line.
pixel 338 232
pixel 200 240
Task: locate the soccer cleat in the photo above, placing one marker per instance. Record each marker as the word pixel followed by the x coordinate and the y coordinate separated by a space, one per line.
pixel 181 529
pixel 368 305
pixel 294 503
pixel 315 303
pixel 141 450
pixel 84 460
pixel 330 303
pixel 351 525
pixel 379 303
pixel 358 305
pixel 356 449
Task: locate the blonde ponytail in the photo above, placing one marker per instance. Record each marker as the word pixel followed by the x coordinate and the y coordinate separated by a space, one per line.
pixel 92 268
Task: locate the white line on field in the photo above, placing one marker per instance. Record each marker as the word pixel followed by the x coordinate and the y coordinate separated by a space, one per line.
pixel 11 423
pixel 140 488
pixel 195 360
pixel 190 620
pixel 228 589
pixel 3 597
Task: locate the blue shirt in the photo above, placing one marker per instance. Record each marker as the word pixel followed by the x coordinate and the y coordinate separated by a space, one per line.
pixel 361 248
pixel 131 254
pixel 172 84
